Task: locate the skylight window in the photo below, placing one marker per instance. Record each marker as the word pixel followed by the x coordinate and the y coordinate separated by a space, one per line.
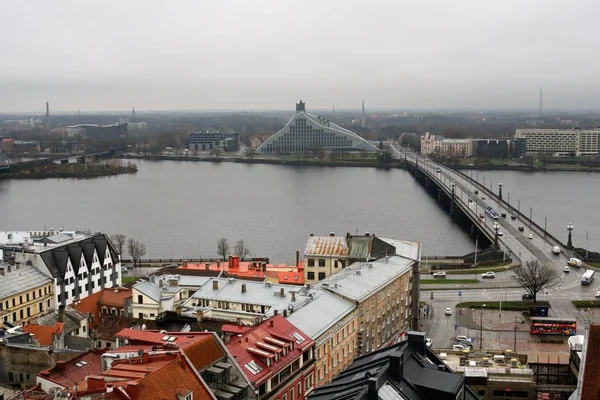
pixel 253 367
pixel 165 338
pixel 84 363
pixel 299 338
pixel 171 338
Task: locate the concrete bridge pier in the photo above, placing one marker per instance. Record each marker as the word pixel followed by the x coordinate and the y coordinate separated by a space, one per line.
pixel 452 206
pixel 472 229
pixel 426 183
pixel 439 194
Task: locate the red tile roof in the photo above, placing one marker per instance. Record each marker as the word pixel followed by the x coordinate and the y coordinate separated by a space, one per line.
pixel 181 339
pixel 44 332
pixel 270 346
pixel 114 297
pixel 204 352
pixel 237 329
pixel 66 374
pixel 590 388
pixel 292 278
pixel 235 267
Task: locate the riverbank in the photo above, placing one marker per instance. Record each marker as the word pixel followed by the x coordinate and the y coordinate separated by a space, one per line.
pixel 272 161
pixel 45 170
pixel 524 168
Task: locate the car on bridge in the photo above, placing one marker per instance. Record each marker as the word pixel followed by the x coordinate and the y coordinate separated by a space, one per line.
pixel 530 236
pixel 513 217
pixel 448 311
pixel 440 274
pixel 500 233
pixel 566 269
pixel 556 250
pixel 482 197
pixel 527 296
pixel 438 169
pixel 488 274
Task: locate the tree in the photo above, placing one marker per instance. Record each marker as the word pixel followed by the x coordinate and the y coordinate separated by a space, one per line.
pixel 136 249
pixel 535 277
pixel 240 249
pixel 118 241
pixel 216 151
pixel 223 248
pixel 385 157
pixel 249 152
pixel 528 160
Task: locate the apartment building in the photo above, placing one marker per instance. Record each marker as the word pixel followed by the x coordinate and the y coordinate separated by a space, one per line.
pixel 560 142
pixel 25 293
pixel 436 144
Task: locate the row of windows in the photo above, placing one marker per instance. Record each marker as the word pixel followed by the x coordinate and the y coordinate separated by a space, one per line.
pixel 34 294
pixel 26 312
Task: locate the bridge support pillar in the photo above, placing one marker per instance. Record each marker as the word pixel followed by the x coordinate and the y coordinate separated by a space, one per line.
pixel 439 194
pixel 426 183
pixel 472 229
pixel 452 206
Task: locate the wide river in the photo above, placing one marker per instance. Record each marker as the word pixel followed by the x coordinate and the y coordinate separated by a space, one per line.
pixel 181 209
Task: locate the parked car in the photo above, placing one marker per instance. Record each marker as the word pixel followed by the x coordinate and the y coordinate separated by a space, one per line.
pixel 530 236
pixel 488 274
pixel 466 343
pixel 460 338
pixel 448 311
pixel 503 215
pixel 527 296
pixel 428 342
pixel 440 274
pixel 566 269
pixel 459 347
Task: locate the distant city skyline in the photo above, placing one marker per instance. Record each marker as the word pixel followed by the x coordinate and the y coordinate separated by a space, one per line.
pixel 265 55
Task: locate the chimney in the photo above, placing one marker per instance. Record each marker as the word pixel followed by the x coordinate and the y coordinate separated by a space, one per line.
pixel 133 390
pixel 275 312
pixel 285 313
pixel 293 296
pixel 297 258
pixel 109 388
pixel 185 264
pixel 264 266
pixel 215 284
pixel 332 234
pixel 178 310
pixel 207 266
pixel 348 235
pixel 271 323
pixel 372 393
pixel 282 292
pixel 61 313
pixel 312 234
pixel 9 268
pixel 2 271
pixel 199 315
pixel 367 234
pixel 417 339
pixel 234 262
pixel 95 382
pixel 397 366
pixel 243 288
pixel 230 261
pixel 60 365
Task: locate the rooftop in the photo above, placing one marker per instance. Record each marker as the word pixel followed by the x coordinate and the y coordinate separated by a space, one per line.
pixel 176 340
pixel 68 373
pixel 17 279
pixel 71 322
pixel 361 279
pixel 407 370
pixel 591 377
pixel 149 289
pixel 326 246
pixel 484 365
pixel 324 311
pixel 268 347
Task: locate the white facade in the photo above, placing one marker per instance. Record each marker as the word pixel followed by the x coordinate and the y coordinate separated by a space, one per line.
pixel 305 131
pixel 435 144
pixel 560 142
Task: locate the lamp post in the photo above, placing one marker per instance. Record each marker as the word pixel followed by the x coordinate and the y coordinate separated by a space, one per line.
pixel 569 241
pixel 452 184
pixel 501 290
pixel 496 229
pixel 515 342
pixel 481 328
pixel 468 323
pixel 500 190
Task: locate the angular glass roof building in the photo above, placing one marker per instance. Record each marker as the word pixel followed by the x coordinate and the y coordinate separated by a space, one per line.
pixel 305 132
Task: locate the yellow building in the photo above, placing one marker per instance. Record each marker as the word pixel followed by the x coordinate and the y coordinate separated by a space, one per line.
pixel 25 293
pixel 324 256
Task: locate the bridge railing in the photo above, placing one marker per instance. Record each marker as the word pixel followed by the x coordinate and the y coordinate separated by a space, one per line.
pixel 521 216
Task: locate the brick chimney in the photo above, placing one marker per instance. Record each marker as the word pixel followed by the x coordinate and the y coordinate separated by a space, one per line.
pixel 60 365
pixel 207 266
pixel 243 288
pixel 95 382
pixel 133 390
pixel 297 258
pixel 185 264
pixel 61 313
pixel 293 295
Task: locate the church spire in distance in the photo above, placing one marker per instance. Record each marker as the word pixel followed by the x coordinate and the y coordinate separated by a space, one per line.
pixel 133 112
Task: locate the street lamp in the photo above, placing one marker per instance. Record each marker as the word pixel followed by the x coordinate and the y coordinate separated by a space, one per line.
pixel 496 229
pixel 569 241
pixel 501 290
pixel 500 190
pixel 481 328
pixel 468 323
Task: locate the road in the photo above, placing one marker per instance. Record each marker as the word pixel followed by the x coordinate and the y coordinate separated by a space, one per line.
pixel 442 328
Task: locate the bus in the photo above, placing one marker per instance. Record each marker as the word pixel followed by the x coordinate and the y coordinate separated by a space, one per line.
pixel 587 277
pixel 553 326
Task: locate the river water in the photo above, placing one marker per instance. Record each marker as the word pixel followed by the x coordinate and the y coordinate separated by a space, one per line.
pixel 181 209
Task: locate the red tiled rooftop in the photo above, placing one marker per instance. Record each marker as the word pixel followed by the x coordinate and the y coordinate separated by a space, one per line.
pixel 182 339
pixel 68 373
pixel 234 267
pixel 590 388
pixel 292 278
pixel 114 297
pixel 274 332
pixel 44 333
pixel 237 329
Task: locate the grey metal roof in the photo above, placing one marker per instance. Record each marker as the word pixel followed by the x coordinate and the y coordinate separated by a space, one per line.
pixel 26 277
pixel 360 247
pixel 188 281
pixel 361 279
pixel 258 293
pixel 72 319
pixel 320 314
pixel 59 238
pixel 148 289
pixel 405 248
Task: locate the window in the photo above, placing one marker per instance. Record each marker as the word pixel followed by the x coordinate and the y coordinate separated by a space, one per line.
pixel 141 315
pixel 21 313
pixel 311 262
pixel 284 397
pixel 321 262
pixel 335 264
pixel 14 302
pixel 292 394
pixel 310 276
pixel 189 396
pixel 299 388
pixel 20 299
pixel 140 299
pixel 321 275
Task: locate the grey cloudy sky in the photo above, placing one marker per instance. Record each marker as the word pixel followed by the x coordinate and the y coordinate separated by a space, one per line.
pixel 253 54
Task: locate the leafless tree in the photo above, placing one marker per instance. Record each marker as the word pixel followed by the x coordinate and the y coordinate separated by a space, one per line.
pixel 216 151
pixel 136 249
pixel 118 241
pixel 240 249
pixel 535 277
pixel 223 248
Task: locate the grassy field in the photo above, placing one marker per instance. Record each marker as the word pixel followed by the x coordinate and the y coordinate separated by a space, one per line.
pixel 506 305
pixel 595 264
pixel 586 303
pixel 447 281
pixel 128 279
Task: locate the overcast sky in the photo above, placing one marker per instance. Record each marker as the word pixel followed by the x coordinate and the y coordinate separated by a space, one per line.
pixel 251 54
